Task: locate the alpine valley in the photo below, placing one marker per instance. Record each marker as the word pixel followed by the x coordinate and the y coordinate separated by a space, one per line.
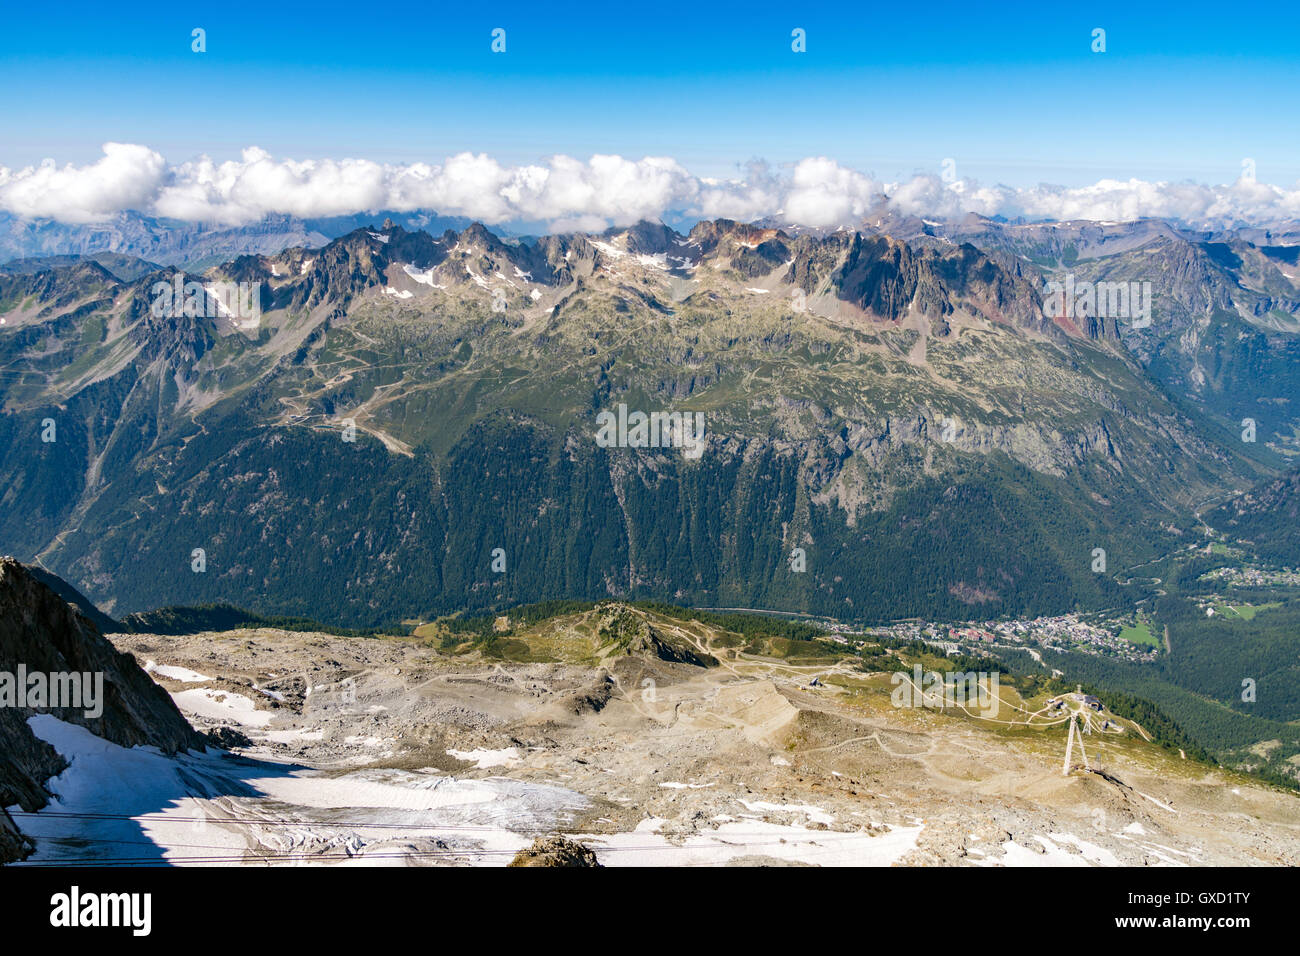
pixel 895 430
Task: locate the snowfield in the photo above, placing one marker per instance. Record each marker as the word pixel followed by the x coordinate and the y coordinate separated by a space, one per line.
pixel 182 674
pixel 744 838
pixel 222 705
pixel 138 806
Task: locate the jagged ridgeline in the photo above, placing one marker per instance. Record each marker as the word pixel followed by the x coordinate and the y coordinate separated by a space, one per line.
pixel 406 424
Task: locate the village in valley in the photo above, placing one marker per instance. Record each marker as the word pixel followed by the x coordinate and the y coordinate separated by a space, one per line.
pixel 1131 635
pixel 1121 638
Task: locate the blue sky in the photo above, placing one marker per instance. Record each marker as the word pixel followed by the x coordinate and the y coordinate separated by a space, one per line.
pixel 1014 94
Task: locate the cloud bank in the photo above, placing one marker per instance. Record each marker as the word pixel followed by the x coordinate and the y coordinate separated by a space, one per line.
pixel 569 194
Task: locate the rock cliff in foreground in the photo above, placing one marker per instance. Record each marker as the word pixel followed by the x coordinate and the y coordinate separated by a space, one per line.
pixel 43 634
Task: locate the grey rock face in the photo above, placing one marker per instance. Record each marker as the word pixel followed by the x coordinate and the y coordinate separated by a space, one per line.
pixel 43 633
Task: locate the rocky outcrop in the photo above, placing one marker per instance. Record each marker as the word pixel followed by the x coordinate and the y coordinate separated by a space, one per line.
pixel 13 845
pixel 625 630
pixel 41 633
pixel 884 277
pixel 555 851
pixel 888 279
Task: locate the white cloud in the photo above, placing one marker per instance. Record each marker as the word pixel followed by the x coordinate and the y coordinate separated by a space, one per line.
pixel 257 184
pixel 610 187
pixel 758 194
pixel 127 177
pixel 602 190
pixel 824 193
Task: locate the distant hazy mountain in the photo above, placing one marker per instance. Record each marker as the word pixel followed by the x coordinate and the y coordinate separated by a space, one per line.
pixel 892 429
pixel 172 242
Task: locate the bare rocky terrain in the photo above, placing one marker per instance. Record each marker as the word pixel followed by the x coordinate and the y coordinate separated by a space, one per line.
pixel 419 751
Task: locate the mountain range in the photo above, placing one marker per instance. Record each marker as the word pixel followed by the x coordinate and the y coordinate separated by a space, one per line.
pixel 405 422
